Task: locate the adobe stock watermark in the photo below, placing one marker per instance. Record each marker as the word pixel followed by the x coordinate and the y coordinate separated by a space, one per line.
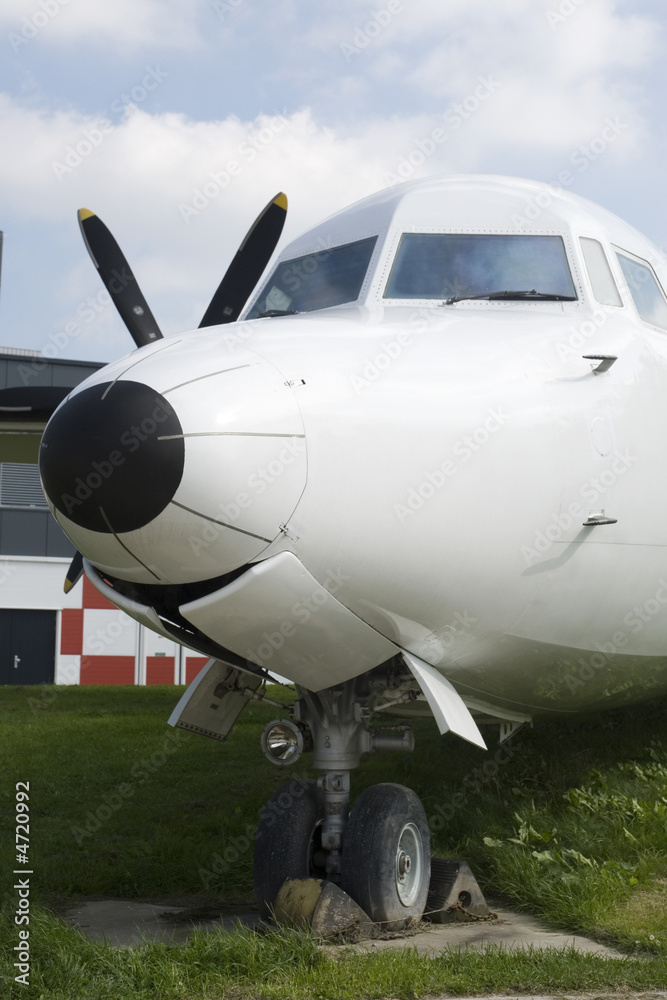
pixel 140 773
pixel 303 269
pixel 376 365
pixel 46 698
pixel 301 612
pixel 449 634
pixel 576 342
pixel 279 805
pixel 92 307
pixel 454 117
pixel 474 783
pixel 581 158
pixel 391 350
pixel 103 637
pixel 75 153
pixel 100 470
pixel 564 10
pixel 7 571
pixel 238 335
pixel 219 180
pixel 257 483
pixel 635 620
pixel 461 453
pixel 224 8
pixel 234 850
pixel 364 35
pixel 153 78
pixel 32 24
pixel 297 273
pixel 592 490
pixel 93 136
pixel 44 695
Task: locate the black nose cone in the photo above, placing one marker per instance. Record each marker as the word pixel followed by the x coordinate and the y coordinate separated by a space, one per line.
pixel 112 457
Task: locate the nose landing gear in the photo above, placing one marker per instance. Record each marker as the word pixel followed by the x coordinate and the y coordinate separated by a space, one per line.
pixel 379 853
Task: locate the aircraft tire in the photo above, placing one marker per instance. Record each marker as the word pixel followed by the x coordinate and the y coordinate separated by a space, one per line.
pixel 286 840
pixel 387 855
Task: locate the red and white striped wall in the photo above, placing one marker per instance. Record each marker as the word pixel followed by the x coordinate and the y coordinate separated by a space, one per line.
pixel 98 644
pixel 95 643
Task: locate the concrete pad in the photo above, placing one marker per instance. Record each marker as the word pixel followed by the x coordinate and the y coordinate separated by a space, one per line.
pixel 511 930
pixel 126 924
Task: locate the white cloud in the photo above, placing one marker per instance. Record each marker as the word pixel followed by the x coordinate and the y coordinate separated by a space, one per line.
pixel 129 23
pixel 146 171
pixel 562 75
pixel 178 194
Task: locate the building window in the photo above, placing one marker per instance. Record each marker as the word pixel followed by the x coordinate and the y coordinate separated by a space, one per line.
pixel 27 527
pixel 20 487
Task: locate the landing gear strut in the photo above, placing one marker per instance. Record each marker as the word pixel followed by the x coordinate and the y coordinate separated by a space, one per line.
pixel 379 853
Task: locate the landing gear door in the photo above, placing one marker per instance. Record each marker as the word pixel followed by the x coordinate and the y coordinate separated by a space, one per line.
pixel 215 699
pixel 445 702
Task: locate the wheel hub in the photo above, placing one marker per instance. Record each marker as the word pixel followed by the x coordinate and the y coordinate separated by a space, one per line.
pixel 409 864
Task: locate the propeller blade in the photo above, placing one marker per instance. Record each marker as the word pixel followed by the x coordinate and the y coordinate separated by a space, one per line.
pixel 246 269
pixel 35 402
pixel 117 277
pixel 74 573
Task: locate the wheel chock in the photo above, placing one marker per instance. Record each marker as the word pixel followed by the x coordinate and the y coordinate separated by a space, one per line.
pixel 453 893
pixel 323 907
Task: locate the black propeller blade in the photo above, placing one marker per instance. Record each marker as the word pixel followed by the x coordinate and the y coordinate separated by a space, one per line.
pixel 232 293
pixel 74 573
pixel 35 402
pixel 246 269
pixel 118 279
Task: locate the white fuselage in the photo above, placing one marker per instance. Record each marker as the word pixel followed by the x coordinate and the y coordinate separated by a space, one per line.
pixel 432 465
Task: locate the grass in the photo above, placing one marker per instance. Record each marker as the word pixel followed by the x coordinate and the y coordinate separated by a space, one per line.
pixel 568 822
pixel 280 964
pixel 123 805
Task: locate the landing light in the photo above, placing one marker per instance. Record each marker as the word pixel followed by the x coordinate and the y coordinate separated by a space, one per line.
pixel 282 742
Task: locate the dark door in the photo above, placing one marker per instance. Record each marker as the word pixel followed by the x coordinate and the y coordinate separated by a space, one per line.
pixel 27 647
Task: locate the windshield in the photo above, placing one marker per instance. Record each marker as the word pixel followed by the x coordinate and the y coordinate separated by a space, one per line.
pixel 316 281
pixel 645 290
pixel 465 265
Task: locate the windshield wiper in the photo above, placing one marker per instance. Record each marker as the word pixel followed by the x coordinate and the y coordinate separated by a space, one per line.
pixel 277 312
pixel 532 294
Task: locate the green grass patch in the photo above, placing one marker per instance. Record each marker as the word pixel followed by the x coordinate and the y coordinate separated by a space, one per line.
pixel 124 806
pixel 243 964
pixel 567 821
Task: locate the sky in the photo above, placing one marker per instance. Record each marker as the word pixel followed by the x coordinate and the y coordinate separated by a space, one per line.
pixel 176 121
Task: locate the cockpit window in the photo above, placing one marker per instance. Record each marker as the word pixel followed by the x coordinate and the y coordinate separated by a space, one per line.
pixel 316 281
pixel 599 272
pixel 465 265
pixel 647 294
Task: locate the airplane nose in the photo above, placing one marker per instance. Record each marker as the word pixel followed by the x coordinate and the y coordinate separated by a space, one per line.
pixel 179 467
pixel 112 456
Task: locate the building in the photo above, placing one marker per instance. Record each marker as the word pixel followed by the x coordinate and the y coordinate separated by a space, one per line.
pixel 46 636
